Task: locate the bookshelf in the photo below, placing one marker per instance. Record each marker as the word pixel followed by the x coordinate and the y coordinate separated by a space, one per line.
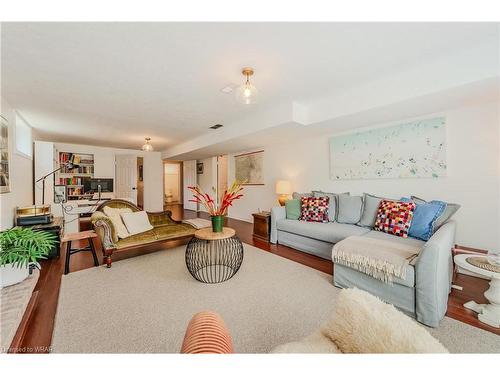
pixel 74 179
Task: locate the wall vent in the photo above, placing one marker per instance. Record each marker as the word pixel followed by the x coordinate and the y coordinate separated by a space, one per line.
pixel 216 126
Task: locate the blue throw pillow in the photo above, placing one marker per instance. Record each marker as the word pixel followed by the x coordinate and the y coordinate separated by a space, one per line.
pixel 424 217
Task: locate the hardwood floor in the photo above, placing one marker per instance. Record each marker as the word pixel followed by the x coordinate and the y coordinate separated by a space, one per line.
pixel 39 332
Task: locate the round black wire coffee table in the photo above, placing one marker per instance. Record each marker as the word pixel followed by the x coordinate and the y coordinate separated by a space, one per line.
pixel 214 257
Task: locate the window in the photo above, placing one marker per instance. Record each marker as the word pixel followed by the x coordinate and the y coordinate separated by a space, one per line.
pixel 24 139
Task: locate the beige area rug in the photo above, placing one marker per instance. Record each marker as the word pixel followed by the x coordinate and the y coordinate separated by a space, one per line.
pixel 143 304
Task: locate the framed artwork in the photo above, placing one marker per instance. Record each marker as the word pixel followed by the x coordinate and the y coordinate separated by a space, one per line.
pixel 249 168
pixel 4 156
pixel 199 168
pixel 411 150
pixel 60 194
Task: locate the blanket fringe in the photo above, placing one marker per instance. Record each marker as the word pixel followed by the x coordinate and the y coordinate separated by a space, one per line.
pixel 376 268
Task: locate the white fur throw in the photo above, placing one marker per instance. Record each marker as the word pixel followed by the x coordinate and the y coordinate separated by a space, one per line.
pixel 362 323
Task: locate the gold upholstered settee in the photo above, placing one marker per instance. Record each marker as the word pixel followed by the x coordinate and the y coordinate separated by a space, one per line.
pixel 164 229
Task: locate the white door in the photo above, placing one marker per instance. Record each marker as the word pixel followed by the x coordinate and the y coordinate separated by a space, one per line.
pixel 190 179
pixel 126 177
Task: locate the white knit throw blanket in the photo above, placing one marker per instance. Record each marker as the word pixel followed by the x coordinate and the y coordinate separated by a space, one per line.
pixel 380 259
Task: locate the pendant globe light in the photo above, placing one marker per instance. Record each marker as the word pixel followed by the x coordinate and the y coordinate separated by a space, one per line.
pixel 147 146
pixel 247 93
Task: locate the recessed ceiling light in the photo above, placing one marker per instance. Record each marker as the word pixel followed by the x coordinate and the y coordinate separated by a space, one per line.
pixel 216 126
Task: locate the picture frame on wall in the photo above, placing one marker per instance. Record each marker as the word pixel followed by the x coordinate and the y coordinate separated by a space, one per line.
pixel 60 194
pixel 199 168
pixel 249 168
pixel 4 156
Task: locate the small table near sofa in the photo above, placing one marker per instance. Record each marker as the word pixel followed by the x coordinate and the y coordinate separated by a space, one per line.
pixel 262 225
pixel 487 313
pixel 214 257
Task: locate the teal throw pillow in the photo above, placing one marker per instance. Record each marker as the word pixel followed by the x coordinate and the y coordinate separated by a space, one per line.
pixel 292 207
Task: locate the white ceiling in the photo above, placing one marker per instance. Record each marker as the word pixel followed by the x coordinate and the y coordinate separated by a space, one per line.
pixel 116 83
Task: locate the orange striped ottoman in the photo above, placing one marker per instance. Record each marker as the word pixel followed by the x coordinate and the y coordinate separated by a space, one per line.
pixel 206 333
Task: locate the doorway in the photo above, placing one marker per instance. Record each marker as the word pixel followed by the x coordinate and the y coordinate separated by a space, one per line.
pixel 140 182
pixel 172 183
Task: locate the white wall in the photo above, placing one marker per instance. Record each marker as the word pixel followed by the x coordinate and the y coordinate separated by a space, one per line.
pixel 208 179
pixel 104 160
pixel 21 175
pixel 472 181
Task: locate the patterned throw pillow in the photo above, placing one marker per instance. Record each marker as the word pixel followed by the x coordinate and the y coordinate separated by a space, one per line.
pixel 314 209
pixel 394 217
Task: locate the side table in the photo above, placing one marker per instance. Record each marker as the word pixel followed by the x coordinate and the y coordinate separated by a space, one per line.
pixel 488 313
pixel 262 225
pixel 214 257
pixel 88 235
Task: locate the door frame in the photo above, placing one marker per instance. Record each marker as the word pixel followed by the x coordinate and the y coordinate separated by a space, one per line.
pixel 181 179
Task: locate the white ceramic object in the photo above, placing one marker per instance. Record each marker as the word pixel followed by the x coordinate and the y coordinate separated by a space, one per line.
pixel 10 275
pixel 488 313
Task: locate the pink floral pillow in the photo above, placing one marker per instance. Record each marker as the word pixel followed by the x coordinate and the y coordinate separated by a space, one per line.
pixel 314 209
pixel 394 217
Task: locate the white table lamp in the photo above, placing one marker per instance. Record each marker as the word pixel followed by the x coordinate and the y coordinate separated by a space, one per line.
pixel 283 189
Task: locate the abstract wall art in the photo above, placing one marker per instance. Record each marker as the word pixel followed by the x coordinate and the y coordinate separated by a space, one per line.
pixel 415 149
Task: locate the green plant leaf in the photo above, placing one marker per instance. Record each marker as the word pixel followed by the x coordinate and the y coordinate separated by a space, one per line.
pixel 22 246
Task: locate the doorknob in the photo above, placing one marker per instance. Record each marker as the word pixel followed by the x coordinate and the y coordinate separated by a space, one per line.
pixel 134 188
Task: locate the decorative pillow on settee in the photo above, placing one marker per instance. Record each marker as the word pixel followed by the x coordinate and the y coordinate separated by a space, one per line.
pixel 394 217
pixel 314 209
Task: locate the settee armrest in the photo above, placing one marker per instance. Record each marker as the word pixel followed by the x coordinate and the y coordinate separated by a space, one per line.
pixel 277 213
pixel 105 230
pixel 433 275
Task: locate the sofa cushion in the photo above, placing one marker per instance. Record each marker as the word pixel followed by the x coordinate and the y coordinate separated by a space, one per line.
pixel 405 240
pixel 164 232
pixel 296 195
pixel 292 207
pixel 328 232
pixel 349 209
pixel 314 209
pixel 138 239
pixel 394 217
pixel 136 222
pixel 114 216
pixel 449 211
pixel 424 218
pixel 370 209
pixel 332 203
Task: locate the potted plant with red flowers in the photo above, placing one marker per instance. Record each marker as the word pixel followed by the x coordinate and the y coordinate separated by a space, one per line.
pixel 217 209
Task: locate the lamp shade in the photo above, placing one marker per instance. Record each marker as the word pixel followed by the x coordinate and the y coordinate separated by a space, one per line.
pixel 283 187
